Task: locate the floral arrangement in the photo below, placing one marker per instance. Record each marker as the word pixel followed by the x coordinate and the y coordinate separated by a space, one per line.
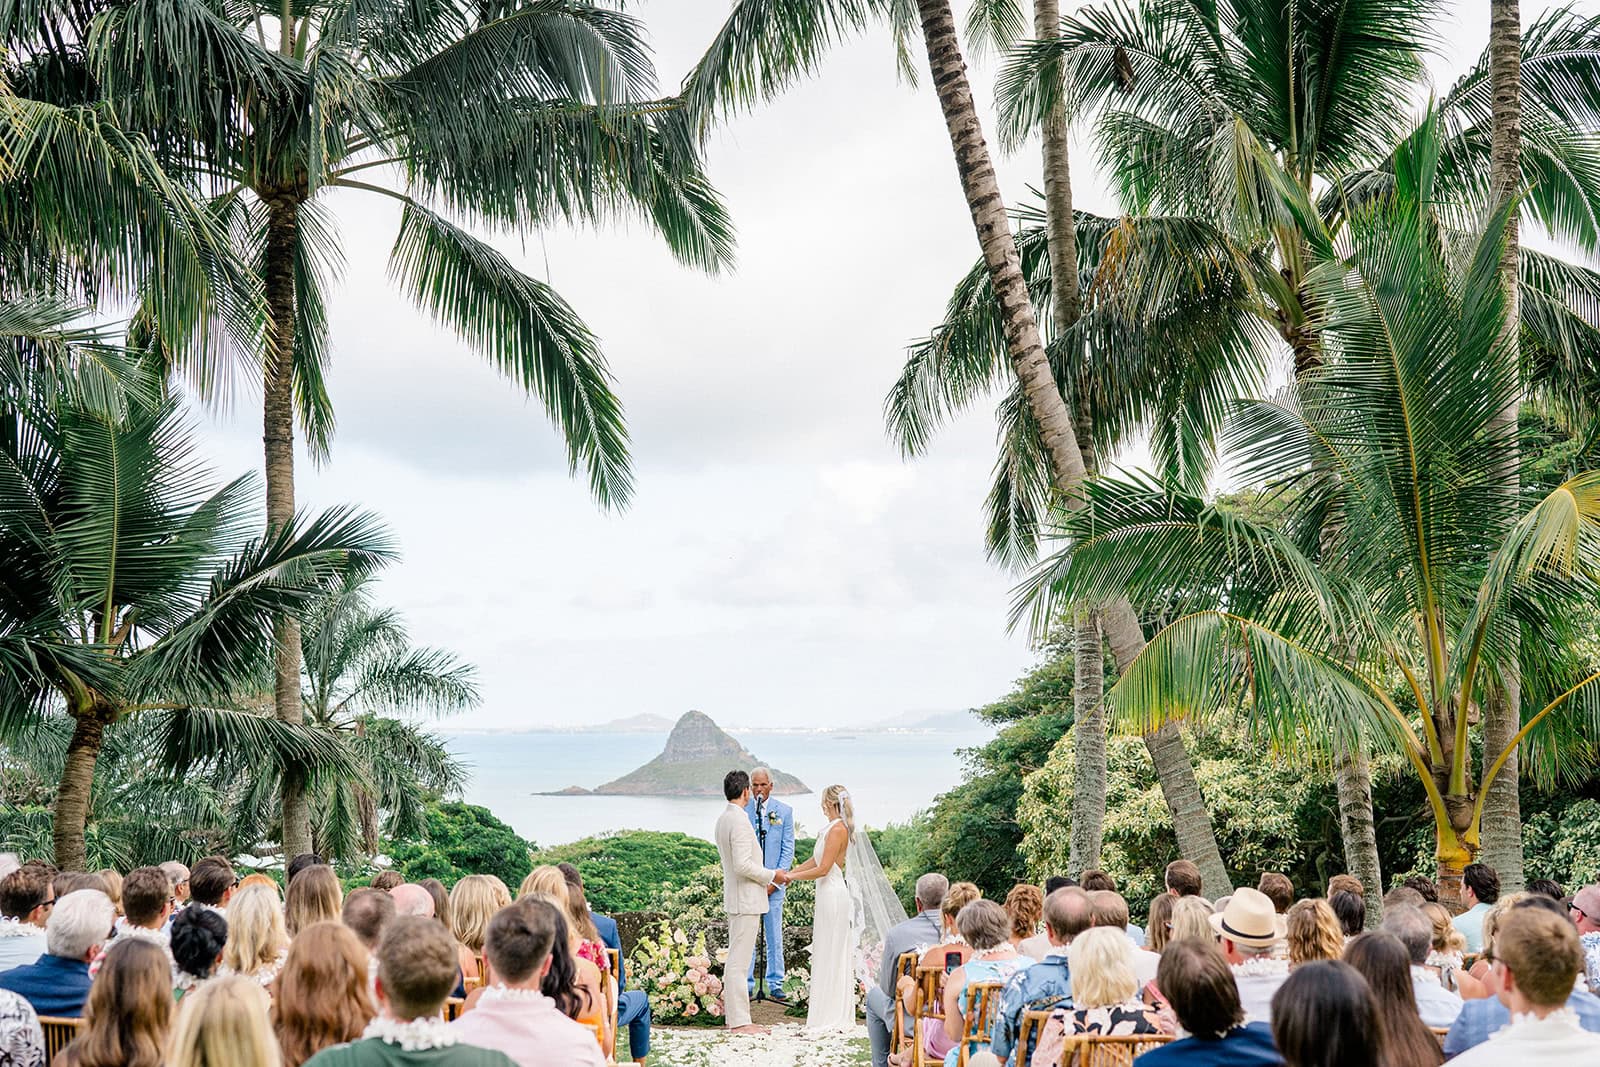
pixel 678 976
pixel 797 987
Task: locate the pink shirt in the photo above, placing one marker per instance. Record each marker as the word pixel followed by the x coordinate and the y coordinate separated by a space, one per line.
pixel 526 1026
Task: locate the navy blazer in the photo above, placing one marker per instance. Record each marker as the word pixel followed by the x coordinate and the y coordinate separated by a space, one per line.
pixel 54 985
pixel 611 939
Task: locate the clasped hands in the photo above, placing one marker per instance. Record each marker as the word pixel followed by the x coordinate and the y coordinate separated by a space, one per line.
pixel 779 880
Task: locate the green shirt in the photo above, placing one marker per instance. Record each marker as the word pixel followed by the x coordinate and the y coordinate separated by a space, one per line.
pixel 374 1052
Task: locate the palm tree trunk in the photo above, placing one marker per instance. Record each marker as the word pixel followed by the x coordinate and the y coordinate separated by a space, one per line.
pixel 1352 777
pixel 77 782
pixel 283 211
pixel 1501 824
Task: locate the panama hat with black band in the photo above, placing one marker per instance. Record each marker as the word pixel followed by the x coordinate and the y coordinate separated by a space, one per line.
pixel 1250 920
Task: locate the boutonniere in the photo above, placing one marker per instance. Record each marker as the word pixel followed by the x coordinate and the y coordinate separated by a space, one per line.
pixel 774 818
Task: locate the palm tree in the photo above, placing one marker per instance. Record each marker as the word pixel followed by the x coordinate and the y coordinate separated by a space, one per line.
pixel 1401 562
pixel 133 589
pixel 363 679
pixel 765 45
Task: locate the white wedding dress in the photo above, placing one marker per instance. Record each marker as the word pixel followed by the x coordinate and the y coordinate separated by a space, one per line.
pixel 834 941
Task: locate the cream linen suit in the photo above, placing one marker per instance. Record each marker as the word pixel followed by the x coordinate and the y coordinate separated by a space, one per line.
pixel 744 895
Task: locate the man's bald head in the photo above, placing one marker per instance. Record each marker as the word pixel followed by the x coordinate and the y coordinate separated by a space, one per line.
pixel 1067 914
pixel 761 783
pixel 412 899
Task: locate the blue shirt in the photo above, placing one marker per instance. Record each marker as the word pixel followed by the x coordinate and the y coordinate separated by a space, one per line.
pixel 1481 1019
pixel 1470 925
pixel 1243 1046
pixel 54 985
pixel 1043 987
pixel 611 939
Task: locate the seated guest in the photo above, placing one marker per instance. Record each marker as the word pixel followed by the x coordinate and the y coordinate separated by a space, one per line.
pixel 951 948
pixel 1248 929
pixel 416 971
pixel 1444 955
pixel 585 938
pixel 1025 906
pixel 412 900
pixel 313 897
pixel 1197 982
pixel 986 928
pixel 1385 963
pixel 1351 909
pixel 1325 1016
pixel 1312 932
pixel 1437 1006
pixel 57 983
pixel 386 880
pixel 1547 887
pixel 321 997
pixel 475 900
pixel 1491 918
pixel 212 884
pixel 1158 926
pixel 1537 961
pixel 573 983
pixel 1278 889
pixel 129 1010
pixel 113 885
pixel 146 905
pixel 257 941
pixel 298 864
pixel 1345 883
pixel 1107 908
pixel 224 1024
pixel 914 935
pixel 71 881
pixel 633 1005
pixel 1191 917
pixel 177 874
pixel 367 912
pixel 1105 994
pixel 1183 878
pixel 1480 888
pixel 1424 885
pixel 1099 881
pixel 21 1037
pixel 512 1015
pixel 1047 984
pixel 198 937
pixel 26 898
pixel 1585 913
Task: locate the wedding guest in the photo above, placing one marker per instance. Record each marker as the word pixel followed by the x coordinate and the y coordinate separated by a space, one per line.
pixel 1058 881
pixel 1444 956
pixel 1424 885
pixel 1183 878
pixel 257 878
pixel 951 948
pixel 212 883
pixel 224 1024
pixel 1345 883
pixel 27 897
pixel 474 900
pixel 1312 932
pixel 1402 896
pixel 1158 928
pixel 177 874
pixel 986 928
pixel 1047 984
pixel 146 905
pixel 321 997
pixel 1437 1006
pixel 573 984
pixel 1025 907
pixel 57 983
pixel 198 937
pixel 1108 908
pixel 386 880
pixel 1491 919
pixel 257 941
pixel 1191 918
pixel 1480 888
pixel 1351 908
pixel 1325 1016
pixel 513 1016
pixel 633 1005
pixel 466 960
pixel 71 881
pixel 21 1037
pixel 413 901
pixel 1537 961
pixel 441 901
pixel 314 896
pixel 1198 984
pixel 1585 914
pixel 112 881
pixel 1278 889
pixel 1248 928
pixel 916 934
pixel 1385 963
pixel 1547 887
pixel 298 864
pixel 583 939
pixel 1105 994
pixel 367 912
pixel 128 1012
pixel 416 971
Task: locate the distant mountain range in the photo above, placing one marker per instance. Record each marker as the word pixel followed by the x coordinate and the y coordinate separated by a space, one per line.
pixel 696 756
pixel 647 723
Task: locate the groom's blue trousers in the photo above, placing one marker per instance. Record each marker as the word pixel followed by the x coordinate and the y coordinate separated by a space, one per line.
pixel 772 933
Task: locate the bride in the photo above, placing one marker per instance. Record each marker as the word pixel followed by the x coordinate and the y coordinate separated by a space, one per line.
pixel 852 915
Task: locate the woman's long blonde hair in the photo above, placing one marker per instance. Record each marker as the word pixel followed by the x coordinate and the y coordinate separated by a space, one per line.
pixel 837 798
pixel 224 1023
pixel 313 897
pixel 1101 960
pixel 473 902
pixel 1191 917
pixel 256 934
pixel 549 881
pixel 1314 932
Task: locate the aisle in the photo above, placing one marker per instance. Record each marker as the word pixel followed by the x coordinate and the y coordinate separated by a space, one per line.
pixel 787 1045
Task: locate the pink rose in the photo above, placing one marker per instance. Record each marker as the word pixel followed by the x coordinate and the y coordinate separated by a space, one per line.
pixel 692 1009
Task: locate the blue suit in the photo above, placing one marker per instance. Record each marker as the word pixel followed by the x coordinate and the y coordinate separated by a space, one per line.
pixel 54 985
pixel 633 1005
pixel 775 832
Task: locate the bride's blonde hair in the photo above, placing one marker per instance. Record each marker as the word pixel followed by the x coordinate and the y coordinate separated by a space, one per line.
pixel 837 797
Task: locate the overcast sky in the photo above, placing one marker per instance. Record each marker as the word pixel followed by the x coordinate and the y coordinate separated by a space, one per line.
pixel 780 564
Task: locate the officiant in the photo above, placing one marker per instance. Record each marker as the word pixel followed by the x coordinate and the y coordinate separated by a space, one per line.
pixel 774 824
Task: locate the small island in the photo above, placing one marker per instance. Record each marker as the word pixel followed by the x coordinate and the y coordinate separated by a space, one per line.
pixel 697 755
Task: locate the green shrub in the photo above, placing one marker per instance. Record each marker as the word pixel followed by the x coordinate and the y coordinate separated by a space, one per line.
pixel 463 839
pixel 624 871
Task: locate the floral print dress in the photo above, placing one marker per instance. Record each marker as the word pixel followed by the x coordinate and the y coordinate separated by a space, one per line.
pixel 1127 1019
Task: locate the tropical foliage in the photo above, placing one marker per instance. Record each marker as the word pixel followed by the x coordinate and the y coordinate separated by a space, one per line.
pixel 627 870
pixel 461 839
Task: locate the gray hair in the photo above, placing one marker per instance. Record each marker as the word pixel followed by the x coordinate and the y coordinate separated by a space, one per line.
pixel 81 920
pixel 984 924
pixel 761 770
pixel 177 873
pixel 1413 928
pixel 931 889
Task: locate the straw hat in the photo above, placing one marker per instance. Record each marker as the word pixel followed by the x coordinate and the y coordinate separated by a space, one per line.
pixel 1250 919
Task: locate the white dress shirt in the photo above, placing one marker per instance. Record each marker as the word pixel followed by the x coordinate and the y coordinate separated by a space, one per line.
pixel 1554 1041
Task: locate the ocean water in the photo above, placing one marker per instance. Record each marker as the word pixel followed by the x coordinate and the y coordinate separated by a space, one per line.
pixel 889 776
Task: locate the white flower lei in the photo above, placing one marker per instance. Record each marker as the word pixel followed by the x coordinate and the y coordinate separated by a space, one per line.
pixel 501 991
pixel 1564 1016
pixel 1261 967
pixel 413 1035
pixel 18 928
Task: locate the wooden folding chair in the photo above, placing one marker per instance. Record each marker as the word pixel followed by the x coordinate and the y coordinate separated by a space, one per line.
pixel 452 1009
pixel 1028 1032
pixel 983 1002
pixel 926 1004
pixel 615 959
pixel 1094 1050
pixel 905 966
pixel 58 1034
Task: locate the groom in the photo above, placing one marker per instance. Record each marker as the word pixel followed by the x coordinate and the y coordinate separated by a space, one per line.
pixel 744 894
pixel 774 823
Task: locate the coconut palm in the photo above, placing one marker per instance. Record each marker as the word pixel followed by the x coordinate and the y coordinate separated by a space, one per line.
pixel 134 588
pixel 499 115
pixel 364 681
pixel 1400 561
